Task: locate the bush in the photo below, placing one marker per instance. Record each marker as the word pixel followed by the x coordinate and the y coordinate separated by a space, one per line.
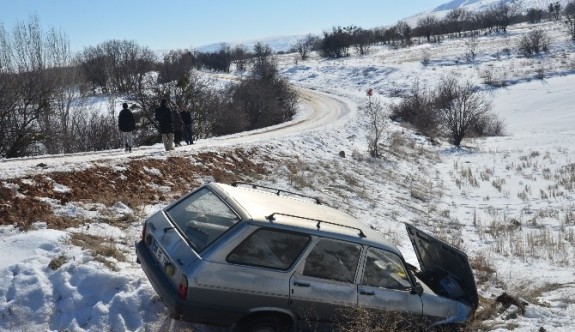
pixel 417 109
pixel 263 99
pixel 456 110
pixel 534 42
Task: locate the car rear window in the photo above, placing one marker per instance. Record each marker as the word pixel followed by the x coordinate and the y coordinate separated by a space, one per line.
pixel 270 248
pixel 202 217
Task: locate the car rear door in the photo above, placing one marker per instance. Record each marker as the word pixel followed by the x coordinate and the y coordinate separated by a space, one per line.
pixel 323 288
pixel 253 275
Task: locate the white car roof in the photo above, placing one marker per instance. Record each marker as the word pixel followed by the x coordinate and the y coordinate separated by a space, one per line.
pixel 303 213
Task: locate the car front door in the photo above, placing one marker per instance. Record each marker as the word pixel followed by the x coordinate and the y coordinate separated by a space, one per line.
pixel 323 289
pixel 386 288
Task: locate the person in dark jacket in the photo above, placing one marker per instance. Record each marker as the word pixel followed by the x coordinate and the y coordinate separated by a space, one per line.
pixel 178 127
pixel 164 118
pixel 126 124
pixel 187 120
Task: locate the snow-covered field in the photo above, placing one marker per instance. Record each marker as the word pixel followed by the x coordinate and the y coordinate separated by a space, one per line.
pixel 508 201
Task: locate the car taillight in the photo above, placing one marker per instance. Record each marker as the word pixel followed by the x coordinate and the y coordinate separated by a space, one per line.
pixel 183 287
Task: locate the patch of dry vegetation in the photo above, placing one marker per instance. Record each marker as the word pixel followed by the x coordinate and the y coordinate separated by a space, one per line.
pixel 103 250
pixel 139 182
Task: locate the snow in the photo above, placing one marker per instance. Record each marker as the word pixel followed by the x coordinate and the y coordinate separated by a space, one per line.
pixel 500 198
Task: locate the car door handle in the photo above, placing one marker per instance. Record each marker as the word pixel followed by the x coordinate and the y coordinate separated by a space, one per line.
pixel 362 292
pixel 300 284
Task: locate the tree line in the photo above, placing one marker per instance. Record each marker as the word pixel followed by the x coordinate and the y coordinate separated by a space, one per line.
pixel 458 22
pixel 47 93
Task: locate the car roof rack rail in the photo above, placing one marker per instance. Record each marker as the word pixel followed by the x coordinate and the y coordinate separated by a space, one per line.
pixel 276 190
pixel 271 217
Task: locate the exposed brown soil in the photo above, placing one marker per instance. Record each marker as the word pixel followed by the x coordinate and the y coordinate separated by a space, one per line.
pixel 139 182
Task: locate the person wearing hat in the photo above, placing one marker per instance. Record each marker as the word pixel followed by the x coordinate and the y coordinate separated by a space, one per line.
pixel 126 124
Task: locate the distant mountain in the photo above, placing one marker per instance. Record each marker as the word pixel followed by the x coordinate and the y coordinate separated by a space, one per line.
pixel 277 44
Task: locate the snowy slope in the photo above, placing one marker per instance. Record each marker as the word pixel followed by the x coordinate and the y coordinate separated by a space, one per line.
pixel 482 5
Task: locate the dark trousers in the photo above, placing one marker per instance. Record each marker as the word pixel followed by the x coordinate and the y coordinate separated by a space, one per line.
pixel 177 137
pixel 188 135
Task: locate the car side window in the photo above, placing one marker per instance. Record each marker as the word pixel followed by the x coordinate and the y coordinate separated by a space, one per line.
pixel 385 269
pixel 334 260
pixel 270 248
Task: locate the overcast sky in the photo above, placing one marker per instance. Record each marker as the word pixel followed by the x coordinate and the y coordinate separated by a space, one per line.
pixel 174 24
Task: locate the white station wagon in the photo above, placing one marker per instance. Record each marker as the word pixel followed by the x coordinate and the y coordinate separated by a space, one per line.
pixel 254 258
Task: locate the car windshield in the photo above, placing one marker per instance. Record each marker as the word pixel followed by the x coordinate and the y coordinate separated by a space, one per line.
pixel 202 217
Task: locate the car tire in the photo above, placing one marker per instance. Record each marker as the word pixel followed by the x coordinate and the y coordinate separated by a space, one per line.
pixel 265 324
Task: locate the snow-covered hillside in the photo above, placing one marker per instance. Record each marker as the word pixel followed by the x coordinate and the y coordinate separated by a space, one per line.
pixel 509 201
pixel 482 5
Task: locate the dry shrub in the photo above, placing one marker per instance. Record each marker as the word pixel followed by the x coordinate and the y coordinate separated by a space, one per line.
pixel 360 319
pixel 482 268
pixel 101 249
pixel 487 310
pixel 56 263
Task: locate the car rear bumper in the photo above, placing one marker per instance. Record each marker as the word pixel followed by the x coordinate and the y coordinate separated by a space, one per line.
pixel 179 309
pixel 160 281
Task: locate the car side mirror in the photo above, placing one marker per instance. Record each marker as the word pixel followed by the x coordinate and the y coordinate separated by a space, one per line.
pixel 417 289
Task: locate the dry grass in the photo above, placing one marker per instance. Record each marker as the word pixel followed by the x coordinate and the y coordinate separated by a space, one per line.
pixel 103 250
pixel 359 319
pixel 482 269
pixel 56 263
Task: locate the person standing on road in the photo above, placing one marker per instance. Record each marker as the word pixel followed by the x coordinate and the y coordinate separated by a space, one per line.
pixel 187 120
pixel 126 124
pixel 164 118
pixel 178 127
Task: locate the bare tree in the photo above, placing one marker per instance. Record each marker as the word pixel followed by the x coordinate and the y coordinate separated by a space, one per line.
pixel 56 125
pixel 195 93
pixel 376 114
pixel 240 57
pixel 535 15
pixel 27 87
pixel 461 107
pixel 335 44
pixel 555 10
pixel 472 44
pixel 428 26
pixel 362 40
pixel 456 19
pixel 503 14
pixel 569 13
pixel 116 65
pixel 404 32
pixel 176 64
pixel 306 45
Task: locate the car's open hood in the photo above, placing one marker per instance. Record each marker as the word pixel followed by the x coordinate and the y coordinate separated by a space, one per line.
pixel 439 258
